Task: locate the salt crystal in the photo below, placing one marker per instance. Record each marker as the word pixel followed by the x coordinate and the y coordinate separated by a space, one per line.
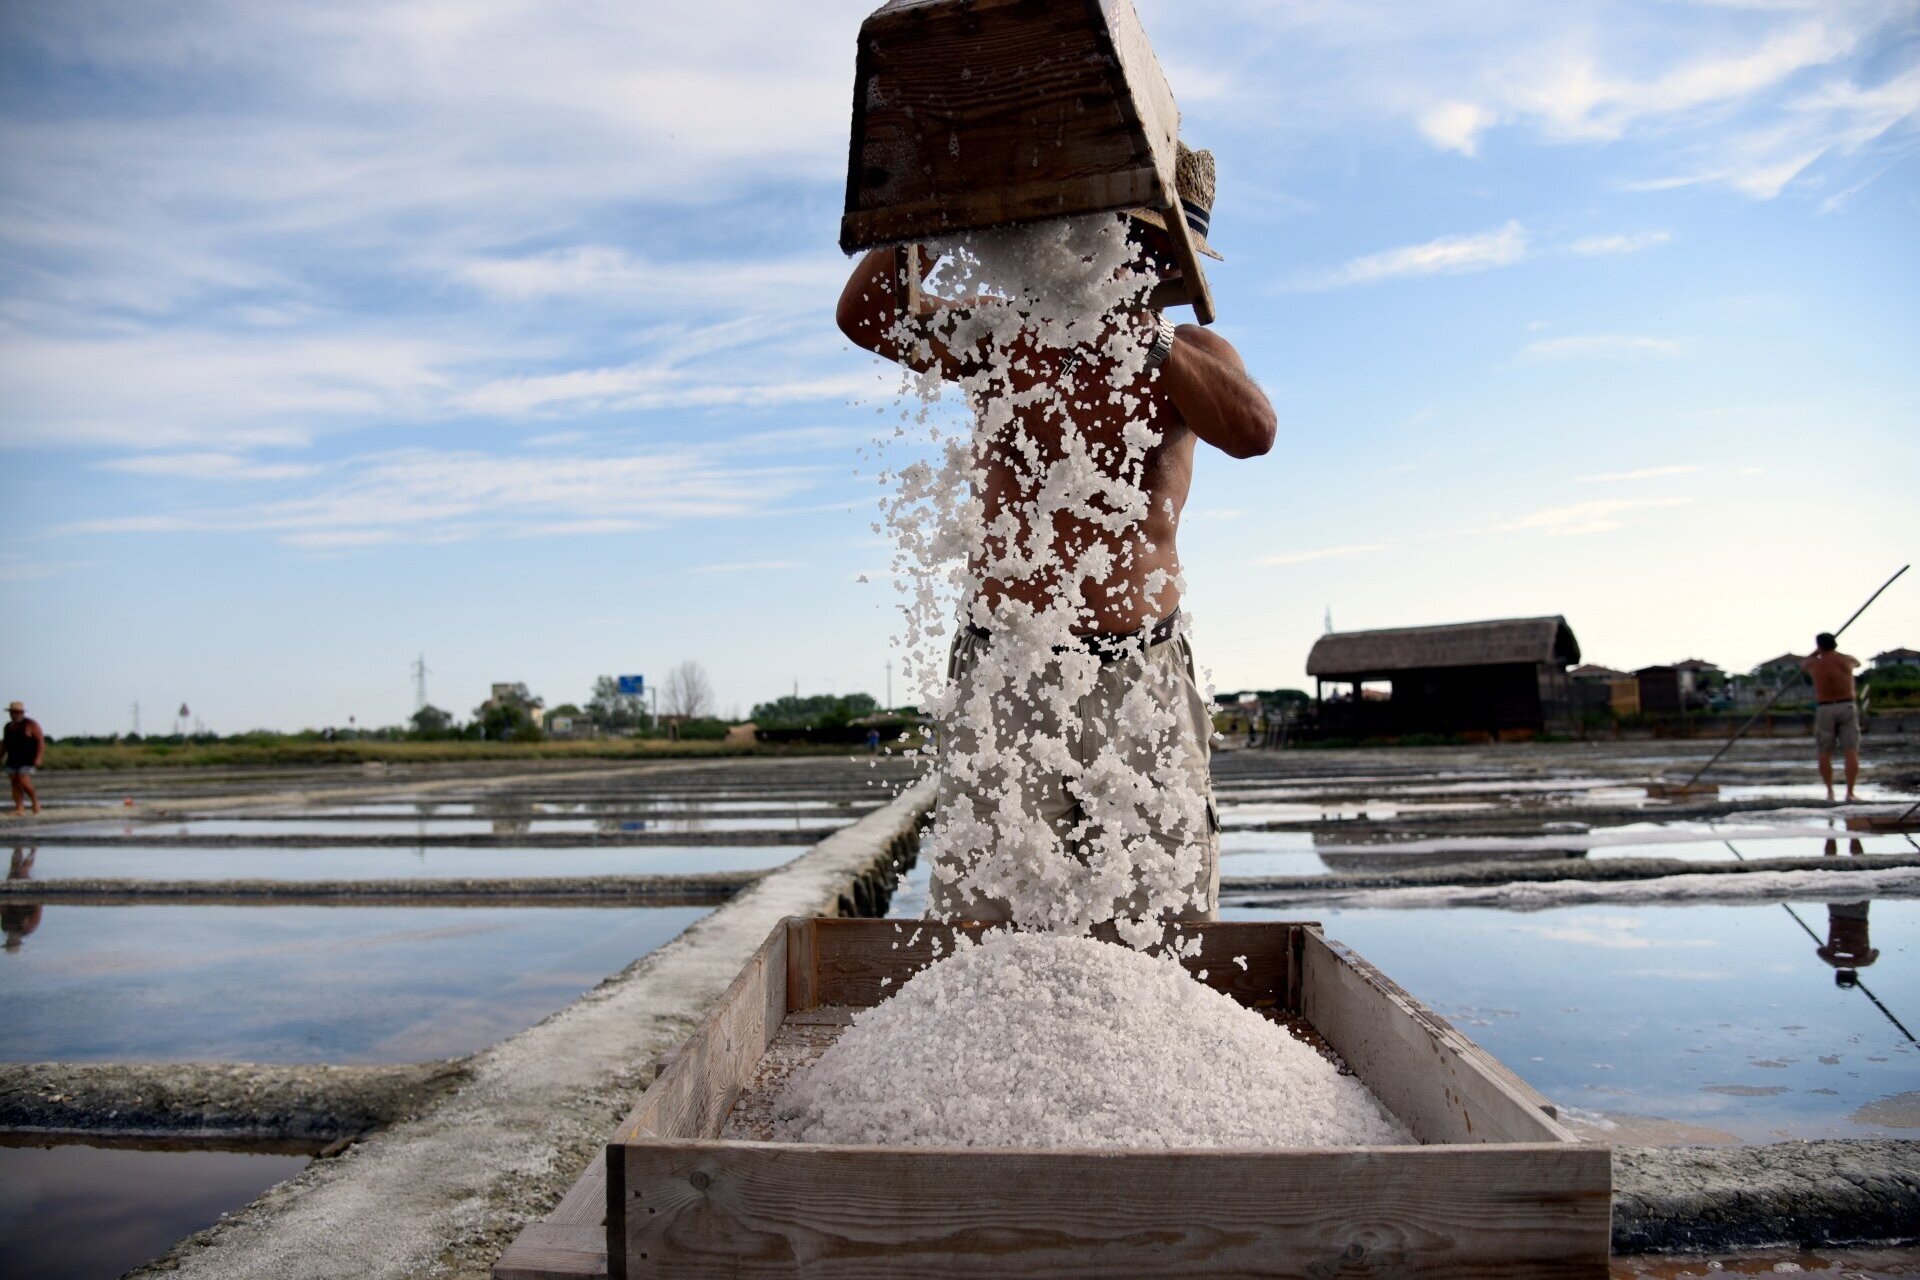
pixel 1038 1040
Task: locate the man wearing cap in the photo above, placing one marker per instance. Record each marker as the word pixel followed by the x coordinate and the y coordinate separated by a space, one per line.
pixel 24 747
pixel 1836 720
pixel 1195 389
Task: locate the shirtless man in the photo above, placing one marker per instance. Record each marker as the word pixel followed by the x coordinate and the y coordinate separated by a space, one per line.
pixel 1202 393
pixel 1836 719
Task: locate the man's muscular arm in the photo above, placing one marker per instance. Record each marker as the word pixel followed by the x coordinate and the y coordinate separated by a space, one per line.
pixel 1208 383
pixel 867 314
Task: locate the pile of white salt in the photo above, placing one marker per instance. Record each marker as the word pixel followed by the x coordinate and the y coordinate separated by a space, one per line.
pixel 1044 1040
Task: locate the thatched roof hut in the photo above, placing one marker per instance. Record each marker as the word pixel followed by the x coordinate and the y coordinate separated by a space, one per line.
pixel 1507 676
pixel 1346 655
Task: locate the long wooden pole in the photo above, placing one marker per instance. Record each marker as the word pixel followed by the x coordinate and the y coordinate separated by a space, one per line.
pixel 1781 691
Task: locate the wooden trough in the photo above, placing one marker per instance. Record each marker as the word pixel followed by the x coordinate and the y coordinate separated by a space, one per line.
pixel 686 1188
pixel 979 113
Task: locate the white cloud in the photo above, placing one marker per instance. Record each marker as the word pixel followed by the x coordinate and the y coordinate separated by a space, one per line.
pixel 1601 516
pixel 1457 126
pixel 748 566
pixel 1448 255
pixel 1645 473
pixel 205 466
pixel 1602 345
pixel 1319 553
pixel 426 495
pixel 1594 246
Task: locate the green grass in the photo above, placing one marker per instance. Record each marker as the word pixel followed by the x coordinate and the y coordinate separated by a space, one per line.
pixel 62 757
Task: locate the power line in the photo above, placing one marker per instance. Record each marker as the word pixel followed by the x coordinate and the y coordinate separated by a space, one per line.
pixel 420 683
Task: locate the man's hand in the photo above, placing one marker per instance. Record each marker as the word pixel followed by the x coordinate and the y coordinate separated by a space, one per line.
pixel 1208 383
pixel 870 312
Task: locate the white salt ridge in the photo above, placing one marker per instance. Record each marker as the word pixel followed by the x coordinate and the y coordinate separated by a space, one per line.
pixel 1042 1040
pixel 1736 887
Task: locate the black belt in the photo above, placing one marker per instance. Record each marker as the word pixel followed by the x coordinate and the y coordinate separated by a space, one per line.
pixel 1111 645
pixel 1838 702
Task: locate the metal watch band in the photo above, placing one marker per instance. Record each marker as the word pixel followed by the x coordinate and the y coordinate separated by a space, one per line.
pixel 1162 343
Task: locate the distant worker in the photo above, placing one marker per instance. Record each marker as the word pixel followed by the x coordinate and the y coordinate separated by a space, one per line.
pixel 1836 720
pixel 25 749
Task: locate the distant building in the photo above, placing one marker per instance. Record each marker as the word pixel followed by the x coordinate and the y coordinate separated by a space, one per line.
pixel 515 694
pixel 1896 658
pixel 1776 671
pixel 1466 677
pixel 1595 674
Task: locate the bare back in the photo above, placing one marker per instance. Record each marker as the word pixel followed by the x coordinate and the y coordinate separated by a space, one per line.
pixel 1832 673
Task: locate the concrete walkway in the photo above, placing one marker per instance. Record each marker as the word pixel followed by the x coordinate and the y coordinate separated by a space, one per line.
pixel 442 1194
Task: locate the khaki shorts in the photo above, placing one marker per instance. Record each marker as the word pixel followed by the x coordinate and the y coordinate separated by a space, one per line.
pixel 1836 724
pixel 1165 670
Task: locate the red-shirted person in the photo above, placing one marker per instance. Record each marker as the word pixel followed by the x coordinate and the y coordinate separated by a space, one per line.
pixel 25 747
pixel 1836 720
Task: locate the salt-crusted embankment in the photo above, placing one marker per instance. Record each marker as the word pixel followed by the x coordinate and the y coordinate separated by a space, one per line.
pixel 1703 1199
pixel 694 889
pixel 444 1193
pixel 227 1100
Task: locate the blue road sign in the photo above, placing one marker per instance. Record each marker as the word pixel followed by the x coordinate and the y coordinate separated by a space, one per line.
pixel 636 685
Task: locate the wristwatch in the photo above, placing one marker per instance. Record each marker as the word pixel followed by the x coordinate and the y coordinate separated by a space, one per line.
pixel 1162 346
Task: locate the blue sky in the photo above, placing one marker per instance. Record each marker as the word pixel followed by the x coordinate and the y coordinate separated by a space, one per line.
pixel 335 334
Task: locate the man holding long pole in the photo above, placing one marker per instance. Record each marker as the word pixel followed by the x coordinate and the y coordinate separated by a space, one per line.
pixel 1836 718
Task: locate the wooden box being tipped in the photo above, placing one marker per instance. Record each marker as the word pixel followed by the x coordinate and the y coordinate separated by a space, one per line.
pixel 1496 1187
pixel 978 113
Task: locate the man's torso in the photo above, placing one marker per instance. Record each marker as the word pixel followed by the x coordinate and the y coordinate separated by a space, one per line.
pixel 1141 585
pixel 1832 677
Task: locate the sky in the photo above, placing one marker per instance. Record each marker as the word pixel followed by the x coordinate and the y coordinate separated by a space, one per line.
pixel 334 335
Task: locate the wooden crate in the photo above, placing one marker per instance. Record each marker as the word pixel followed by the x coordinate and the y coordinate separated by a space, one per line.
pixel 1497 1188
pixel 977 113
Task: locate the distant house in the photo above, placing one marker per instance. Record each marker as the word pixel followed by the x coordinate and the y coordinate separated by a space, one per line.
pixel 1776 671
pixel 1680 686
pixel 1509 674
pixel 1896 658
pixel 1595 674
pixel 1697 675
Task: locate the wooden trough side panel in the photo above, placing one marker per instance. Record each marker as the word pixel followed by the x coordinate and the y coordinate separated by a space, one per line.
pixel 1427 1073
pixel 555 1251
pixel 861 962
pixel 766 1209
pixel 690 1099
pixel 1159 125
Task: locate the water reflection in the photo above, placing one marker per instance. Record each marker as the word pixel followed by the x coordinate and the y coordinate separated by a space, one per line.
pixel 1672 1023
pixel 19 919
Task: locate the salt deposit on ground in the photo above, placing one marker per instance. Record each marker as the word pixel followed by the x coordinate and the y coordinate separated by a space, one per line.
pixel 1752 886
pixel 1041 1040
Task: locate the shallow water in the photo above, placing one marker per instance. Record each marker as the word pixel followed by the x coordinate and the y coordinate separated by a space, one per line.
pixel 1698 1023
pixel 345 862
pixel 92 1213
pixel 639 808
pixel 302 984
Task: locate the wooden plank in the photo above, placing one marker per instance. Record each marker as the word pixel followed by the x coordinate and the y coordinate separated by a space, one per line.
pixel 1149 101
pixel 691 1098
pixel 1429 1075
pixel 735 1210
pixel 554 1251
pixel 802 974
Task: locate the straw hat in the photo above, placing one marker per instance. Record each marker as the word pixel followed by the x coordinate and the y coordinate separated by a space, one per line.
pixel 1193 182
pixel 16 705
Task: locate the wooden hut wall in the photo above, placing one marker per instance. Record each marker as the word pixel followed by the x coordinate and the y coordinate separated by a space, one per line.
pixel 1444 700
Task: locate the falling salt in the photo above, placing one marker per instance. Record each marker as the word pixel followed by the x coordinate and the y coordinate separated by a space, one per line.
pixel 1040 1040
